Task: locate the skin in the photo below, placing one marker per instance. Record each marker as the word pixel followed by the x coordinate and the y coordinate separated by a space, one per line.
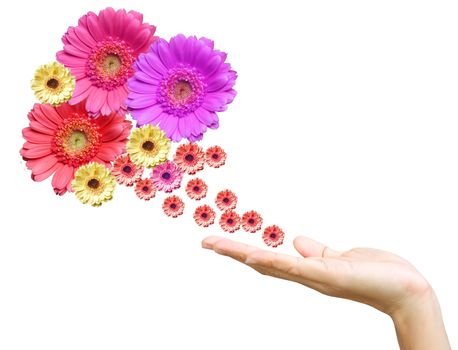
pixel 374 277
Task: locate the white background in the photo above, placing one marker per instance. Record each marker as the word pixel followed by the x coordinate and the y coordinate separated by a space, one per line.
pixel 345 129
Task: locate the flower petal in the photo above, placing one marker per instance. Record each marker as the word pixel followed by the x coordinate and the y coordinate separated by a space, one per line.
pixel 61 179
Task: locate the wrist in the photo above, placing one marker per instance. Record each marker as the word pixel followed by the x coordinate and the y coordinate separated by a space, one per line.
pixel 419 323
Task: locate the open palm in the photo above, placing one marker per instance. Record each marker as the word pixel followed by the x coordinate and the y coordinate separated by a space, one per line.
pixel 374 277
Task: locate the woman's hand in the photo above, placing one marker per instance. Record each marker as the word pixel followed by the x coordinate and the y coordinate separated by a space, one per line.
pixel 373 277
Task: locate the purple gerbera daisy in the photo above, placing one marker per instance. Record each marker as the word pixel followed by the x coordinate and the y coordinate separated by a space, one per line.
pixel 180 85
pixel 167 176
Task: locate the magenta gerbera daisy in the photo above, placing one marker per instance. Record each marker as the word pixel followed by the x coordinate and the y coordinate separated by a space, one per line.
pixel 181 85
pixel 167 176
pixel 100 53
pixel 125 171
pixel 61 139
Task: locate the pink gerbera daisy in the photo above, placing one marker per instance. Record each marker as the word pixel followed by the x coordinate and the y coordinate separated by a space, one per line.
pixel 61 139
pixel 125 171
pixel 204 215
pixel 190 158
pixel 145 189
pixel 230 221
pixel 173 206
pixel 167 176
pixel 251 221
pixel 196 189
pixel 273 236
pixel 100 53
pixel 226 200
pixel 215 157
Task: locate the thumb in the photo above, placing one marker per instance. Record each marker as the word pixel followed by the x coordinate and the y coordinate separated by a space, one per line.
pixel 309 248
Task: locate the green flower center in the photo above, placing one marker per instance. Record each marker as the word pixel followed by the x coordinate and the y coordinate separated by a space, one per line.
pixel 111 64
pixel 77 140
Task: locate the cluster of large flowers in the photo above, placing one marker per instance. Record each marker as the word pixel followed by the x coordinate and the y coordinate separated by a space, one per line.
pixel 112 70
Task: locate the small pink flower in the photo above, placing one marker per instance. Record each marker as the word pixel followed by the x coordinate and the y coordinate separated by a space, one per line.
pixel 273 236
pixel 215 157
pixel 190 158
pixel 251 221
pixel 204 215
pixel 196 189
pixel 167 176
pixel 125 171
pixel 145 189
pixel 173 206
pixel 226 200
pixel 230 221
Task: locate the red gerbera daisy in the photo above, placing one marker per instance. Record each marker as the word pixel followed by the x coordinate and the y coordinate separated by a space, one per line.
pixel 145 189
pixel 215 156
pixel 190 158
pixel 173 206
pixel 61 139
pixel 226 200
pixel 273 236
pixel 204 215
pixel 125 171
pixel 251 221
pixel 196 189
pixel 230 221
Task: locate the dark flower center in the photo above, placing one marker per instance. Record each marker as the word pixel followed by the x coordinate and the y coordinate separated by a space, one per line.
pixel 166 176
pixel 145 188
pixel 230 221
pixel 273 235
pixel 196 188
pixel 226 200
pixel 173 206
pixel 93 183
pixel 189 157
pixel 251 221
pixel 204 215
pixel 127 169
pixel 148 146
pixel 52 83
pixel 215 156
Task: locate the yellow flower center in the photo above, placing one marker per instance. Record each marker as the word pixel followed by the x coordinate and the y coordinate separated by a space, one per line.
pixel 77 141
pixel 111 64
pixel 148 146
pixel 52 83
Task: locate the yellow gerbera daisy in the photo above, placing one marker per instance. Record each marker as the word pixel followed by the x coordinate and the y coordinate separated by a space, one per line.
pixel 148 146
pixel 93 184
pixel 53 83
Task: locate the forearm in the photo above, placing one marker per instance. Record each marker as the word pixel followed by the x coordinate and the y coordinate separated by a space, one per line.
pixel 420 326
